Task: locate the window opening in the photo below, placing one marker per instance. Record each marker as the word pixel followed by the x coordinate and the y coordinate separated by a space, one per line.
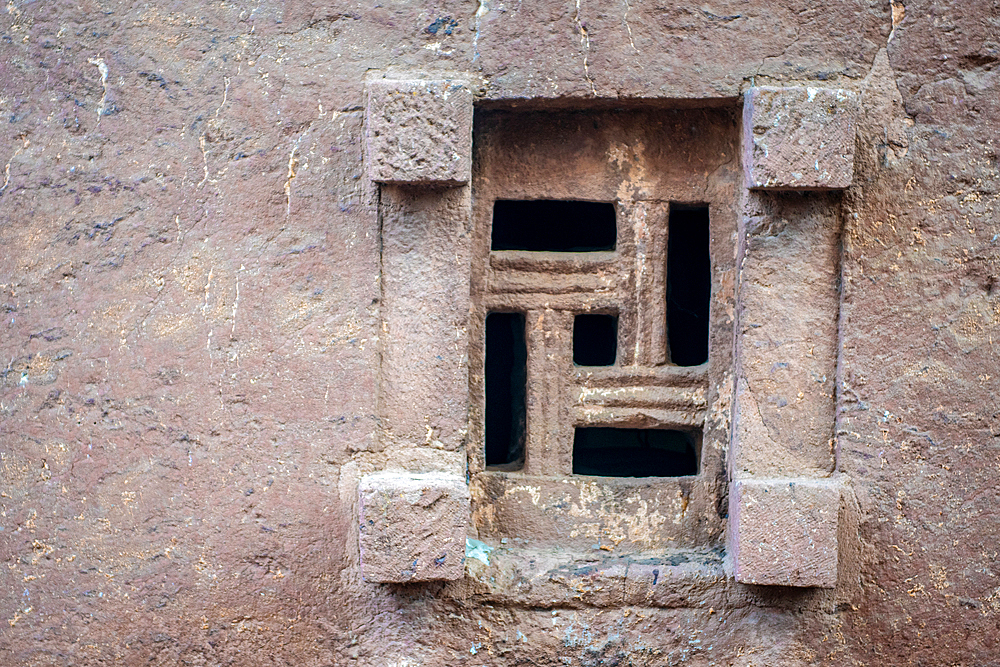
pixel 506 371
pixel 561 230
pixel 595 340
pixel 689 285
pixel 553 226
pixel 635 452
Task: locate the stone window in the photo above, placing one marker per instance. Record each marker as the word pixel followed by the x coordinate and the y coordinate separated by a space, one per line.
pixel 616 314
pixel 601 335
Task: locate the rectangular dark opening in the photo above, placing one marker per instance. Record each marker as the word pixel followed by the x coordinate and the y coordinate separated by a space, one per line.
pixel 635 452
pixel 553 226
pixel 595 340
pixel 506 374
pixel 689 285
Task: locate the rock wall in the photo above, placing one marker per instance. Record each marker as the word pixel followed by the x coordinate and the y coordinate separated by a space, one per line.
pixel 190 290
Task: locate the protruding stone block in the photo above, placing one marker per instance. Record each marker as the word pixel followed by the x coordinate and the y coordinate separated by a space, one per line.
pixel 784 531
pixel 799 138
pixel 412 527
pixel 419 132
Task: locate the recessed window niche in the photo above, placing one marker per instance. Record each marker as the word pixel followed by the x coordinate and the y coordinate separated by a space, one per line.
pixel 506 356
pixel 600 324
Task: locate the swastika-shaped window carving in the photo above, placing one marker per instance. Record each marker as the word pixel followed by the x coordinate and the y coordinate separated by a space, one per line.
pixel 601 340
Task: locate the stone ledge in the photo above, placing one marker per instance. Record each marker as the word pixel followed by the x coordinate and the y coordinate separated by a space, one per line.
pixel 783 531
pixel 555 578
pixel 418 132
pixel 799 138
pixel 411 527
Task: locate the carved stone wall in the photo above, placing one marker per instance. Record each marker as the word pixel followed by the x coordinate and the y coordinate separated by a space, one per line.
pixel 242 294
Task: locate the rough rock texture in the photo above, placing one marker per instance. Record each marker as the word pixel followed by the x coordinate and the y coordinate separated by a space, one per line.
pixel 787 338
pixel 190 283
pixel 423 399
pixel 412 527
pixel 418 132
pixel 785 531
pixel 799 138
pixel 560 49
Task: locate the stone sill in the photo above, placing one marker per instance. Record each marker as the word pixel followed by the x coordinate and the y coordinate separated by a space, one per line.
pixel 555 578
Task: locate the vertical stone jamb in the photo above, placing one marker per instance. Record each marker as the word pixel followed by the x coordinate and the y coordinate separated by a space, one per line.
pixel 648 222
pixel 549 448
pixel 798 152
pixel 413 514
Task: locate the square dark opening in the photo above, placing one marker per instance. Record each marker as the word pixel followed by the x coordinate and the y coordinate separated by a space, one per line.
pixel 595 340
pixel 553 226
pixel 506 375
pixel 689 285
pixel 635 452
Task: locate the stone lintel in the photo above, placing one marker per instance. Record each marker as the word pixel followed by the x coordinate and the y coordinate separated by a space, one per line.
pixel 418 132
pixel 412 527
pixel 783 531
pixel 799 138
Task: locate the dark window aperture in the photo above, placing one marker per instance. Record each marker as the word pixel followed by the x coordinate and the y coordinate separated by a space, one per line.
pixel 553 226
pixel 506 373
pixel 595 340
pixel 576 226
pixel 689 285
pixel 634 452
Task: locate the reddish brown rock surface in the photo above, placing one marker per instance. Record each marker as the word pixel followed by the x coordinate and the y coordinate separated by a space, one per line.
pixel 418 132
pixel 785 533
pixel 189 284
pixel 412 527
pixel 799 138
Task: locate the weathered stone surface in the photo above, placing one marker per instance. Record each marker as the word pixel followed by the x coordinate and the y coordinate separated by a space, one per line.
pixel 784 531
pixel 412 527
pixel 423 375
pixel 786 341
pixel 543 577
pixel 634 50
pixel 418 131
pixel 199 230
pixel 798 138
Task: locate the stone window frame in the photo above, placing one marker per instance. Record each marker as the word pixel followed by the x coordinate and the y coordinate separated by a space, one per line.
pixel 550 289
pixel 786 496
